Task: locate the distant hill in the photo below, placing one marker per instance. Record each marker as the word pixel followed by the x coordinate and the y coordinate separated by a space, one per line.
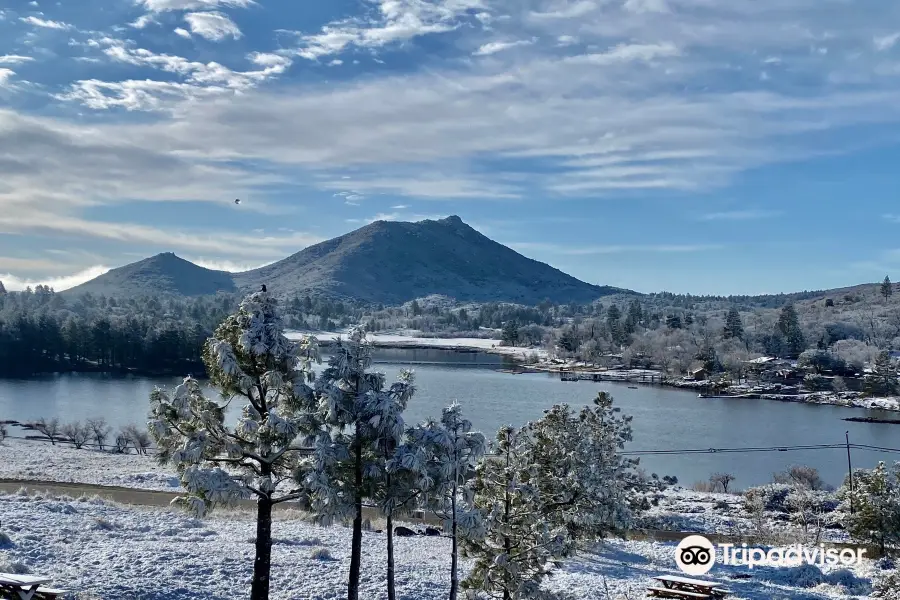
pixel 385 262
pixel 391 262
pixel 163 274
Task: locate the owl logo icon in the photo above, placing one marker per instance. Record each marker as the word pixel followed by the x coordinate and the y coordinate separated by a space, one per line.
pixel 695 555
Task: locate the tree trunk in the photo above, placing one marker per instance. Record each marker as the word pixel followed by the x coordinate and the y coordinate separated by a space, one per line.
pixel 454 559
pixel 392 592
pixel 356 544
pixel 263 562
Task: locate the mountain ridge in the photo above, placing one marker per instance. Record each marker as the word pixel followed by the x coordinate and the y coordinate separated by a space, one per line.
pixel 384 262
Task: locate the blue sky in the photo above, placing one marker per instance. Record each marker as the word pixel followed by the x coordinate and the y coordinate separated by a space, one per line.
pixel 705 146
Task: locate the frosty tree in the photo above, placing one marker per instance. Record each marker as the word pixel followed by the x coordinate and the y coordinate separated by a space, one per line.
pixel 362 421
pixel 453 450
pixel 582 479
pixel 249 359
pixel 872 508
pixel 515 546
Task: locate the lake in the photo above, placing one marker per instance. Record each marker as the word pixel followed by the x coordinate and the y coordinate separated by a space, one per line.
pixel 664 418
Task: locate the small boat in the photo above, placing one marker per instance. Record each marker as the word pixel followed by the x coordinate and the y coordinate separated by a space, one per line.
pixel 632 387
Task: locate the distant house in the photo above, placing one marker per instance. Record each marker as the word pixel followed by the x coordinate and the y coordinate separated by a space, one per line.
pixel 698 374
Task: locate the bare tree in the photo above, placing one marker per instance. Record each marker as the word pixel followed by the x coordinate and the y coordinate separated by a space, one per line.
pixel 49 429
pixel 3 430
pixel 139 438
pixel 76 433
pixel 122 441
pixel 721 480
pixel 99 431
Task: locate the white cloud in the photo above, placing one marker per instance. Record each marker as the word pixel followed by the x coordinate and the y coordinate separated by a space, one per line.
pixel 227 265
pixel 176 5
pixel 566 10
pixel 629 53
pixel 741 215
pixel 215 26
pixel 646 6
pixel 47 24
pixel 200 80
pixel 5 76
pixel 335 63
pixel 886 42
pixel 494 47
pixel 395 21
pixel 143 21
pixel 60 283
pixel 182 32
pixel 14 59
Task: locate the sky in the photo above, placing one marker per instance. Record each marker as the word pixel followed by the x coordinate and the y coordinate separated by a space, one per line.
pixel 692 146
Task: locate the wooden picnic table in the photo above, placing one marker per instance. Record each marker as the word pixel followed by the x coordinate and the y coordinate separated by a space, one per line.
pixel 26 587
pixel 675 586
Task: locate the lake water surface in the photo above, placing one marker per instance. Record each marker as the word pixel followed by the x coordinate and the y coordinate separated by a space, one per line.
pixel 664 419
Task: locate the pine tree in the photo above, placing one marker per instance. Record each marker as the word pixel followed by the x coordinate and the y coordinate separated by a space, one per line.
pixel 400 469
pixel 248 357
pixel 734 327
pixel 514 548
pixel 883 380
pixel 673 321
pixel 510 333
pixel 871 510
pixel 886 288
pixel 453 451
pixel 348 463
pixel 789 327
pixel 582 479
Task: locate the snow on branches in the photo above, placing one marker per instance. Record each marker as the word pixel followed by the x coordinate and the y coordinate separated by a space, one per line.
pixel 248 358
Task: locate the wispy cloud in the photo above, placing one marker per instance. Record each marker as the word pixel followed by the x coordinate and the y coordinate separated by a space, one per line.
pixel 886 42
pixel 45 23
pixel 741 215
pixel 893 218
pixel 227 265
pixel 395 21
pixel 14 59
pixel 495 47
pixel 215 26
pixel 158 6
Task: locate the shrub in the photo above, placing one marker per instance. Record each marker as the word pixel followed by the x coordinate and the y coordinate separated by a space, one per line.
pixel 801 476
pixel 886 585
pixel 772 497
pixel 321 554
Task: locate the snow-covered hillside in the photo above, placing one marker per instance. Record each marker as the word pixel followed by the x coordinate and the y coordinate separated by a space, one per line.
pixel 111 552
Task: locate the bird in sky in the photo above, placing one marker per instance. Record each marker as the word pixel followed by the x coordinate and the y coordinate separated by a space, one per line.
pixel 237 200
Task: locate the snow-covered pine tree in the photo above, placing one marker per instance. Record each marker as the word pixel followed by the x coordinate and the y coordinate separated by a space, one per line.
pixel 871 509
pixel 582 479
pixel 400 464
pixel 453 451
pixel 516 546
pixel 248 357
pixel 345 468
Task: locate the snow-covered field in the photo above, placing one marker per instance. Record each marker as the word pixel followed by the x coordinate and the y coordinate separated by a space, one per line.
pixel 35 460
pixel 399 341
pixel 111 552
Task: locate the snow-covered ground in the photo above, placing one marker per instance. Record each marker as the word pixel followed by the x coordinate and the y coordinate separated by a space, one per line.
pixel 401 340
pixel 111 552
pixel 677 509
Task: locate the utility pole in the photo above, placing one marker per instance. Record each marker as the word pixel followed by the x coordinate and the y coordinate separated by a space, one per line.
pixel 849 469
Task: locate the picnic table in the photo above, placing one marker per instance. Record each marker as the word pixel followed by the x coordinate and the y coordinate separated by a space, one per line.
pixel 675 586
pixel 27 587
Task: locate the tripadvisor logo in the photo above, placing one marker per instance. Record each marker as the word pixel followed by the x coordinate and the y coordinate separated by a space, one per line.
pixel 696 555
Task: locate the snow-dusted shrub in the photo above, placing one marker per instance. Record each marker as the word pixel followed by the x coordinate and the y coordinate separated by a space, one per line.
pixel 5 540
pixel 875 504
pixel 849 581
pixel 15 567
pixel 321 554
pixel 886 585
pixel 886 563
pixel 101 524
pixel 3 432
pixel 76 433
pixel 773 496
